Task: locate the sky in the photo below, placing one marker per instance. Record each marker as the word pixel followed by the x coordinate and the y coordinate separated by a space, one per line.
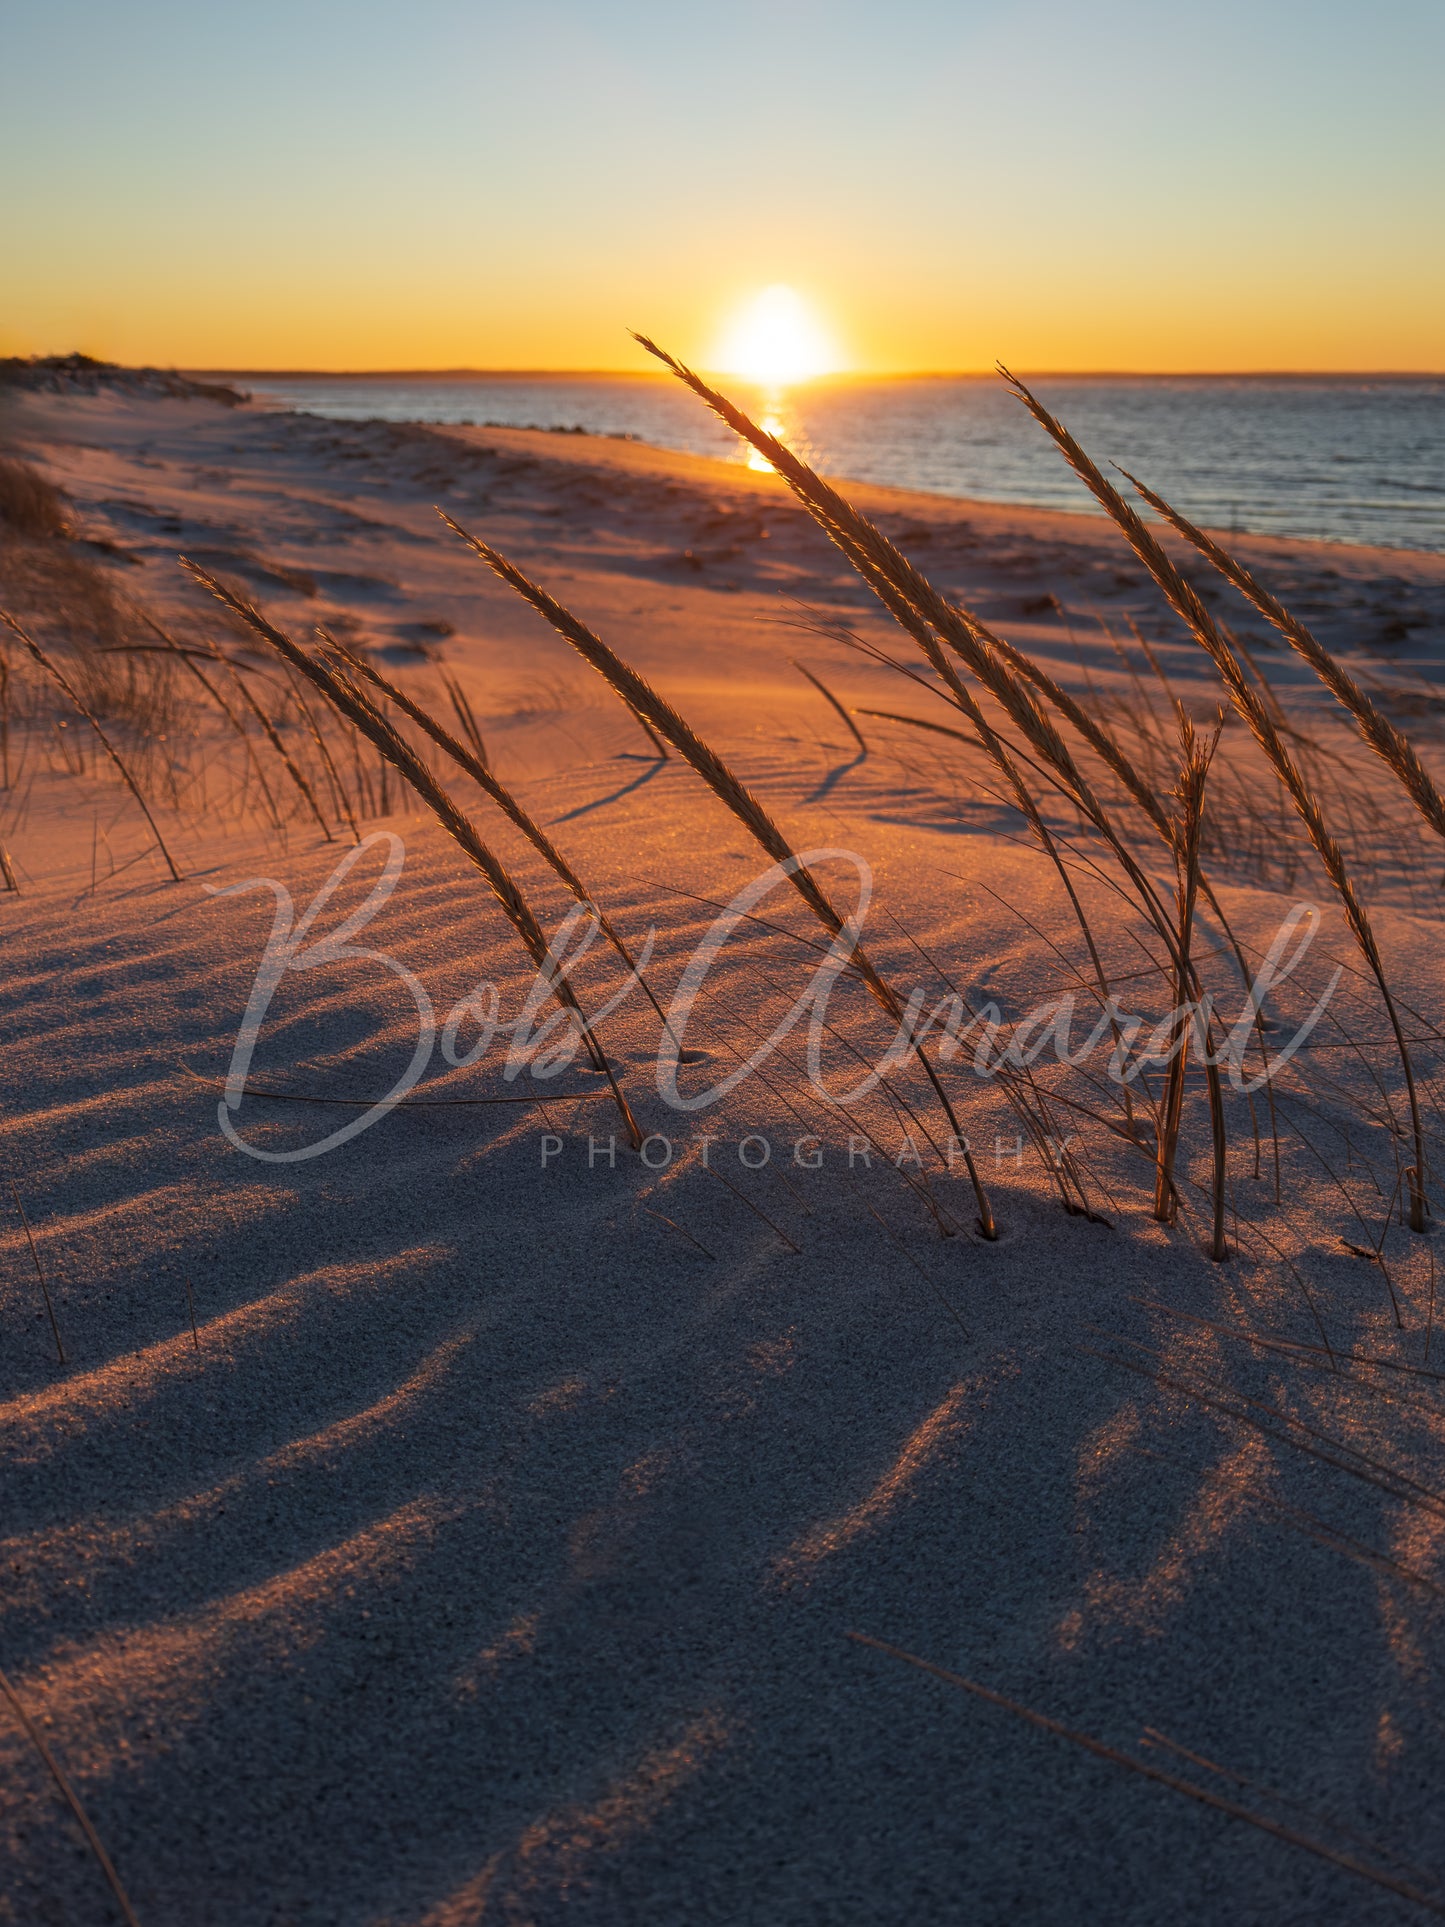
pixel 1063 184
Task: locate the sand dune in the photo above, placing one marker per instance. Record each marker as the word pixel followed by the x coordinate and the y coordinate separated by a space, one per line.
pixel 487 1553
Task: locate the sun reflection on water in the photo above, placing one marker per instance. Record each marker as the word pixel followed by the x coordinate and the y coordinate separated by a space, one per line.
pixel 772 418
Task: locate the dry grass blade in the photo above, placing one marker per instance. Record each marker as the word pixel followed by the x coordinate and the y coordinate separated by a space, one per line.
pixel 1390 744
pixel 1152 1737
pixel 994 747
pixel 1323 1534
pixel 1033 816
pixel 919 722
pixel 188 658
pixel 72 1800
pixel 1105 746
pixel 650 733
pixel 165 644
pixel 465 714
pixel 1289 1347
pixel 476 766
pixel 1183 599
pixel 1188 831
pixel 1101 1751
pixel 273 737
pixel 681 1230
pixel 639 695
pixel 348 698
pixel 39 1273
pixel 1186 844
pixel 1283 1427
pixel 58 677
pixel 828 697
pixel 927 616
pixel 757 1211
pixel 339 798
pixel 28 503
pixel 893 1238
pixel 918 608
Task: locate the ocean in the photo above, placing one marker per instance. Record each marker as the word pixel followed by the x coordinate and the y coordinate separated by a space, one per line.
pixel 1332 458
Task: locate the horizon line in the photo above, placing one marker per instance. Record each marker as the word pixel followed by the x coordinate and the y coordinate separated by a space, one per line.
pixel 840 374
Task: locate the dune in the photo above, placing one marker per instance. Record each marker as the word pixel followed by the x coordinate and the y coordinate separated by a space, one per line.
pixel 466 1523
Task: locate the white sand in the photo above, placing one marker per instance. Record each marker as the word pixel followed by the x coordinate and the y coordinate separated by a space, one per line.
pixel 492 1557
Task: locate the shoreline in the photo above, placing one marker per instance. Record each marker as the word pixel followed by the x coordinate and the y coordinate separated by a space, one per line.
pixel 843 479
pixel 543 442
pixel 1384 602
pixel 884 498
pixel 1233 492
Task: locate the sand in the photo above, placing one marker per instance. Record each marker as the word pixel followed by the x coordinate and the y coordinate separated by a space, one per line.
pixel 489 1552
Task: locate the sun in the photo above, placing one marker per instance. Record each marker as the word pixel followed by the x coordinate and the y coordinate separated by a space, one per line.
pixel 776 340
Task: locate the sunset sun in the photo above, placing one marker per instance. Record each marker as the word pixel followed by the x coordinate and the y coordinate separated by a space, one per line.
pixel 776 339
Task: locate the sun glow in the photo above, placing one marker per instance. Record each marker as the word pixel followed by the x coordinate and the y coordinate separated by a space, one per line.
pixel 776 340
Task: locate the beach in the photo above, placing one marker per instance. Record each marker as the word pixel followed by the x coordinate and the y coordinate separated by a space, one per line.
pixel 1344 458
pixel 469 1522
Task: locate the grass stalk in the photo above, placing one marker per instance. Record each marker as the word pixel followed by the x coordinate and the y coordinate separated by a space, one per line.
pixel 1184 600
pixel 640 696
pixel 1390 744
pixel 931 620
pixel 1100 1750
pixel 925 615
pixel 466 716
pixel 913 602
pixel 62 682
pixel 348 698
pixel 476 766
pixel 1188 832
pixel 39 1272
pixel 273 737
pixel 1033 816
pixel 828 697
pixel 72 1800
pixel 188 657
pixel 340 801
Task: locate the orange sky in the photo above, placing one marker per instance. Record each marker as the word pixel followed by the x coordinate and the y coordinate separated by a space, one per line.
pixel 1062 184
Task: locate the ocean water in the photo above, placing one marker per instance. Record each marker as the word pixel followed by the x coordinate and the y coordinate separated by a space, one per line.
pixel 1333 458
